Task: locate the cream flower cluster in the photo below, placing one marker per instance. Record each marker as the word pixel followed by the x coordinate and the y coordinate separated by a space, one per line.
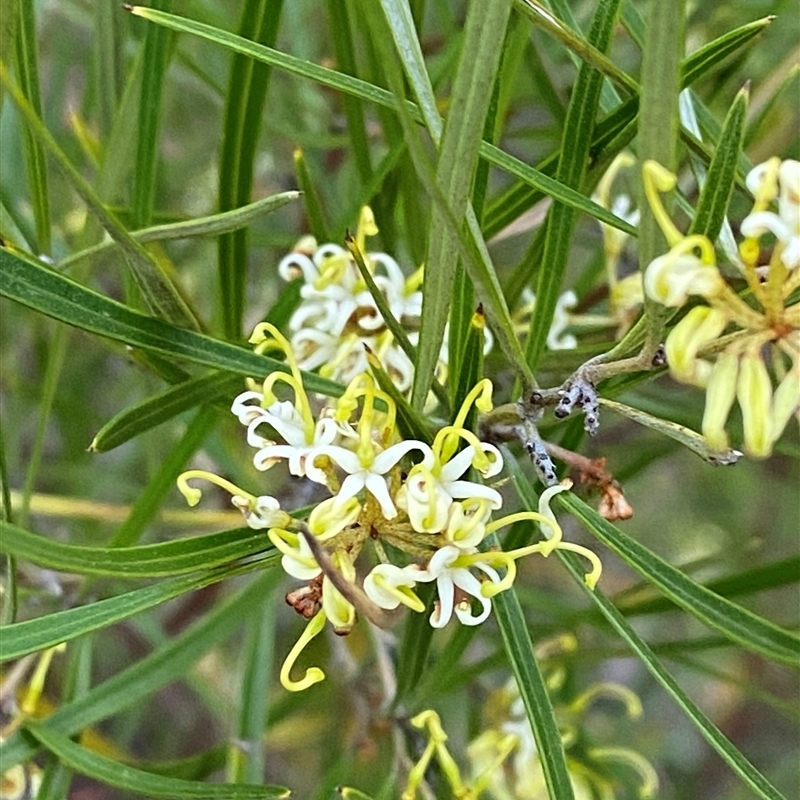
pixel 413 503
pixel 338 319
pixel 737 346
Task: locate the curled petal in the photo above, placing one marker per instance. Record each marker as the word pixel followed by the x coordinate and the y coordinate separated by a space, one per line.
pixel 245 409
pixel 332 516
pixel 265 512
pixel 387 585
pixel 670 279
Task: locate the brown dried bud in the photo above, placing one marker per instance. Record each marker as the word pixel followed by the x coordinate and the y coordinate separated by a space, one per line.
pixel 307 600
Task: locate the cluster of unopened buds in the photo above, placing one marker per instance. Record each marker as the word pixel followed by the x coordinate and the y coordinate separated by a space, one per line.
pixel 413 502
pixel 733 345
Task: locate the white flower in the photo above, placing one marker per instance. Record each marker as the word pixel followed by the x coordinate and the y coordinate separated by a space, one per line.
pixel 785 225
pixel 288 422
pixel 431 486
pixel 449 576
pixel 364 470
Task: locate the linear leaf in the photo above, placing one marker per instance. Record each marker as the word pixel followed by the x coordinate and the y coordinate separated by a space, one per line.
pixel 123 776
pixel 156 60
pixel 145 561
pixel 533 690
pixel 169 663
pixel 484 33
pixel 367 91
pixel 737 623
pixel 202 226
pixel 31 635
pixel 161 407
pixel 575 143
pixel 58 296
pixel 28 70
pixel 712 205
pixel 244 111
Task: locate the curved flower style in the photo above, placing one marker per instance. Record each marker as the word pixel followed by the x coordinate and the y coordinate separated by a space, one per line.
pixel 722 345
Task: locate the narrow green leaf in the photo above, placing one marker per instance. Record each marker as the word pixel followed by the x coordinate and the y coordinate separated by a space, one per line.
pixel 28 71
pixel 162 407
pixel 169 663
pixel 259 655
pixel 344 49
pixel 658 128
pixel 145 561
pixel 738 624
pixel 123 776
pixel 575 143
pixel 785 572
pixel 58 296
pixel 156 60
pixel 314 213
pixel 211 225
pixel 484 33
pixel 367 91
pixel 712 205
pixel 588 51
pixel 107 64
pixel 533 690
pixel 156 288
pixel 244 112
pixel 31 635
pixel 470 243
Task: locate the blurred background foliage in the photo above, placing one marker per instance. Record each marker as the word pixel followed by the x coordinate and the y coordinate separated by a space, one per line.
pixel 59 386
